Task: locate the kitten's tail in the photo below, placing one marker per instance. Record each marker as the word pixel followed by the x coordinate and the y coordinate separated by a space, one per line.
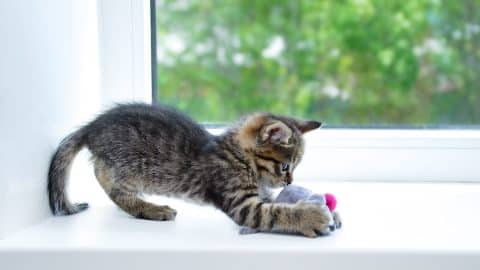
pixel 58 172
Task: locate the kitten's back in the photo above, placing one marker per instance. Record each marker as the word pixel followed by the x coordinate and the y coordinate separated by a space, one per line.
pixel 146 128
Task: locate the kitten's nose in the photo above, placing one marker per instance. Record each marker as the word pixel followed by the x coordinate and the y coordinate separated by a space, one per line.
pixel 289 180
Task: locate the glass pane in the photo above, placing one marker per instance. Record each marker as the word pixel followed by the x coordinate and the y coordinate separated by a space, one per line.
pixel 358 62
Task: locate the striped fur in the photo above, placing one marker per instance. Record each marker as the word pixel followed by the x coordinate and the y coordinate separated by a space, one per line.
pixel 141 149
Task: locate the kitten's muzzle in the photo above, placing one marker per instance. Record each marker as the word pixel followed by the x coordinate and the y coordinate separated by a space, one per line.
pixel 289 179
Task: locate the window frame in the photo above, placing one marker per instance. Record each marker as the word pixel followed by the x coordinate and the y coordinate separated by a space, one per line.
pixel 342 154
pixel 125 51
pixel 393 155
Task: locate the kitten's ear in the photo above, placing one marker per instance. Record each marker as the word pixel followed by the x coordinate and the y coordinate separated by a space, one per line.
pixel 276 132
pixel 306 126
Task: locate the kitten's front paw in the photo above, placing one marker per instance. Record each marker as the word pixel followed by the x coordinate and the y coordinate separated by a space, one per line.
pixel 314 219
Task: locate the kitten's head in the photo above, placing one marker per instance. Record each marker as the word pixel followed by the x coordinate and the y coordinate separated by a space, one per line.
pixel 276 145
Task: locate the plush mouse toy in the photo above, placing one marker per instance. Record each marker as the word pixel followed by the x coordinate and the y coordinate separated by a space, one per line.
pixel 292 194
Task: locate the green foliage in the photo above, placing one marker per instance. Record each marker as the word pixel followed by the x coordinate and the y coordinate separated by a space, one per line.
pixel 340 61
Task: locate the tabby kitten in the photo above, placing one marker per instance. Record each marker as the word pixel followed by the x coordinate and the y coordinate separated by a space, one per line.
pixel 140 148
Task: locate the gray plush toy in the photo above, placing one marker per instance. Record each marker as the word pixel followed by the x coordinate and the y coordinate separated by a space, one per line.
pixel 292 194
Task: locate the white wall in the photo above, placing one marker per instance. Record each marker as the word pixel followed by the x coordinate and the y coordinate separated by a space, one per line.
pixel 49 84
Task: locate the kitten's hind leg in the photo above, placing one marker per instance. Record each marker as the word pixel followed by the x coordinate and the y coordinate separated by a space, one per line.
pixel 124 193
pixel 131 203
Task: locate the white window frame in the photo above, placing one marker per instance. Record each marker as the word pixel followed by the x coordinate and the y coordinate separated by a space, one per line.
pixel 413 155
pixel 416 155
pixel 125 51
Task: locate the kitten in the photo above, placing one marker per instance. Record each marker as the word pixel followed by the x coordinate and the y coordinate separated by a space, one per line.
pixel 141 148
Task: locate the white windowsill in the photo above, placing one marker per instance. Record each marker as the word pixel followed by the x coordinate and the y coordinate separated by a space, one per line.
pixel 386 226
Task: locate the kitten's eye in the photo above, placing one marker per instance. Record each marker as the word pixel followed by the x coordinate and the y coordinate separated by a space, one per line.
pixel 285 167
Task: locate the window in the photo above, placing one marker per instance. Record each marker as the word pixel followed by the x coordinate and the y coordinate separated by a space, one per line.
pixel 348 63
pixel 380 67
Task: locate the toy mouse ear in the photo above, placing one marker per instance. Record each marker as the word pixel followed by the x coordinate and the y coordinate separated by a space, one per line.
pixel 306 126
pixel 276 132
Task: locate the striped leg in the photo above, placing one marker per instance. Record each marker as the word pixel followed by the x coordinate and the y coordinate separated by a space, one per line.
pixel 124 193
pixel 247 209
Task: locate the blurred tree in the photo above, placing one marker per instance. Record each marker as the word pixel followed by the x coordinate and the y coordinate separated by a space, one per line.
pixel 342 61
